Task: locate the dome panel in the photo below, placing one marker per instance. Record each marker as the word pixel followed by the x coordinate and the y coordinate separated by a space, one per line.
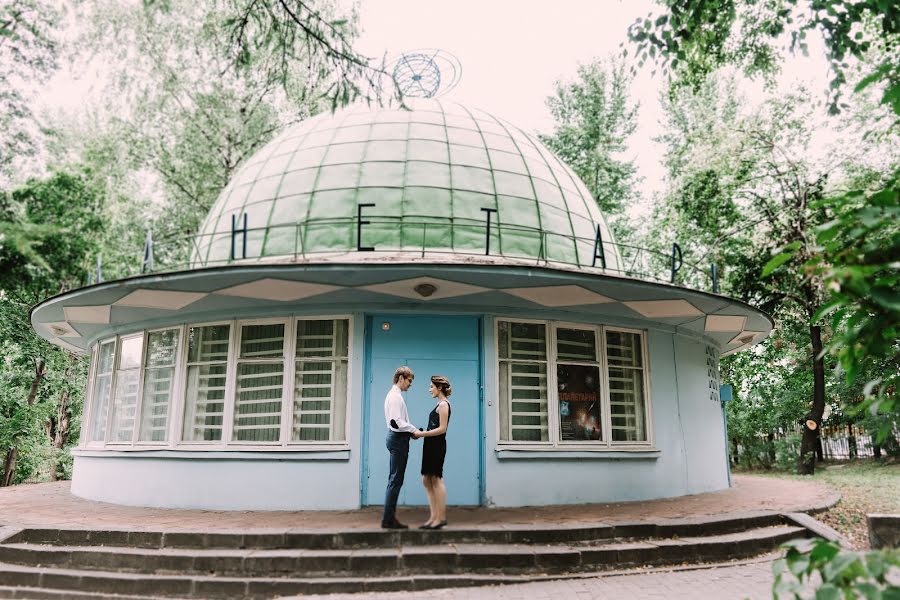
pixel 430 173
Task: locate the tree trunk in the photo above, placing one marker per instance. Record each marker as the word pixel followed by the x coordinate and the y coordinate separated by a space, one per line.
pixel 9 468
pixel 808 444
pixel 771 449
pixel 58 431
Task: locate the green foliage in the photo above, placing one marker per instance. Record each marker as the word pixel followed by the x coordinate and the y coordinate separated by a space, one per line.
pixel 787 449
pixel 28 55
pixel 42 385
pixel 859 260
pixel 843 573
pixel 594 117
pixel 693 38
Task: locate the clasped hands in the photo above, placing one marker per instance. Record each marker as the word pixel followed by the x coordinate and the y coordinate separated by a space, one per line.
pixel 418 434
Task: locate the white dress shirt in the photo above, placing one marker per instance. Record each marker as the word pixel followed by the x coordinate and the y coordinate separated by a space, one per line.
pixel 395 408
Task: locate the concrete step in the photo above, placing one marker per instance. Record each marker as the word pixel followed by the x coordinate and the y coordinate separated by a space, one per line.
pixel 31 593
pixel 118 585
pixel 379 538
pixel 404 560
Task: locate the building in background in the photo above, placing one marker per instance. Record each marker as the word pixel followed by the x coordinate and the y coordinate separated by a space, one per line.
pixel 441 238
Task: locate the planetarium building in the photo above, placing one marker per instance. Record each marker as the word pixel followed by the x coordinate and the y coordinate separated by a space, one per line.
pixel 438 237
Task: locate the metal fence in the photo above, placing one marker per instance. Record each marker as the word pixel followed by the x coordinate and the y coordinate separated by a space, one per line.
pixel 303 242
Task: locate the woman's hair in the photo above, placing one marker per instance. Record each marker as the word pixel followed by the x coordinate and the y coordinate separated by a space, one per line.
pixel 442 383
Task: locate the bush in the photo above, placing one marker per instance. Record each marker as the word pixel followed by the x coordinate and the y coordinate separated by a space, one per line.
pixel 833 573
pixel 787 449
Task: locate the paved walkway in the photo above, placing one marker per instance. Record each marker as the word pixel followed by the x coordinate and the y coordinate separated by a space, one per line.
pixel 726 581
pixel 51 504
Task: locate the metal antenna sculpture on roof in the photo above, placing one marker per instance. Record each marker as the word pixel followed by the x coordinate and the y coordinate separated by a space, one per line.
pixel 426 73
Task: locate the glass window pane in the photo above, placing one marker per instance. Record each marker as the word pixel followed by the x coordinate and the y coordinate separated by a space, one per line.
pixel 162 348
pixel 623 348
pixel 525 341
pixel 320 399
pixel 124 405
pixel 579 402
pixel 262 341
pixel 322 338
pixel 208 344
pixel 257 408
pixel 100 399
pixel 204 404
pixel 126 393
pixel 626 400
pixel 523 402
pixel 131 352
pixel 576 344
pixel 159 374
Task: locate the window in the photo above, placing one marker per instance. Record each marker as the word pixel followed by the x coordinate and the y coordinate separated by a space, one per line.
pixel 578 385
pixel 128 372
pixel 102 386
pixel 204 403
pixel 320 380
pixel 237 384
pixel 260 383
pixel 523 381
pixel 624 356
pixel 159 379
pixel 596 395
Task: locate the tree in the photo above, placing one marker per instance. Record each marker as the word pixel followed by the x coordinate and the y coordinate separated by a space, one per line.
pixel 692 38
pixel 41 395
pixel 594 117
pixel 28 55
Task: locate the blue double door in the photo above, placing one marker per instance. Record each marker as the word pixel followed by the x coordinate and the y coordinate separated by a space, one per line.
pixel 429 345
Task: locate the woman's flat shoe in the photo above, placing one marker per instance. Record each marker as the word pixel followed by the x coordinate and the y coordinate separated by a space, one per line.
pixel 439 525
pixel 426 526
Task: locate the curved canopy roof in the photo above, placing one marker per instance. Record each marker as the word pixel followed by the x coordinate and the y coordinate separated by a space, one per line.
pixel 428 178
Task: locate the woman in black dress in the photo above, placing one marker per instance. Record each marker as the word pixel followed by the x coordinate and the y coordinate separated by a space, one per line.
pixel 433 452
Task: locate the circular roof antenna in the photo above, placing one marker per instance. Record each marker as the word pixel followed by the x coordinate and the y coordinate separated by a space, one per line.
pixel 425 73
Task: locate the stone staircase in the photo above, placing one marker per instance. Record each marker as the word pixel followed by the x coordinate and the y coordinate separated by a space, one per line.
pixel 82 563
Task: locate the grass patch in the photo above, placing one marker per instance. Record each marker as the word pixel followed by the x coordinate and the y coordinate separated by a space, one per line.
pixel 866 486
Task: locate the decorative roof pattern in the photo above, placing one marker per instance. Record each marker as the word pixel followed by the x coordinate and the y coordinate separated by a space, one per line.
pixel 427 174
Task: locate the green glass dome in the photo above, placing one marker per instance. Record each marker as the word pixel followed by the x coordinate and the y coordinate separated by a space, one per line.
pixel 429 172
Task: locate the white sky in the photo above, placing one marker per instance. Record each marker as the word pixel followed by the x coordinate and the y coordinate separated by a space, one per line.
pixel 512 52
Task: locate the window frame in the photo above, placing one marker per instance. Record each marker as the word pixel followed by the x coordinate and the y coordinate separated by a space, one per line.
pixel 233 367
pixel 555 443
pixel 229 386
pixel 179 329
pixel 89 442
pixel 178 400
pixel 292 357
pixel 551 381
pixel 138 393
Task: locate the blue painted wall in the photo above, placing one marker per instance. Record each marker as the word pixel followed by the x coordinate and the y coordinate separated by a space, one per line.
pixel 688 430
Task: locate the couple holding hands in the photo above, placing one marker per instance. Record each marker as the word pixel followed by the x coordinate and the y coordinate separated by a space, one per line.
pixel 400 431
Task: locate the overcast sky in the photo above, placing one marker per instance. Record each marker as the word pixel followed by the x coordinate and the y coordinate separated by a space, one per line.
pixel 512 52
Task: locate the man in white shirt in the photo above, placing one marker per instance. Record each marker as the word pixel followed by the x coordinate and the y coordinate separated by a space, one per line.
pixel 400 430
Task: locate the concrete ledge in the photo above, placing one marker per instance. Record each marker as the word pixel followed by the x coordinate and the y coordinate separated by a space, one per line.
pixel 604 454
pixel 884 531
pixel 817 528
pixel 293 453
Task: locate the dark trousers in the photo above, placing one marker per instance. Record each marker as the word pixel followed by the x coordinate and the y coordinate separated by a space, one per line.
pixel 398 446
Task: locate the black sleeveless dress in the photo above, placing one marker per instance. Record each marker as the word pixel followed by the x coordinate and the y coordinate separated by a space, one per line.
pixel 435 447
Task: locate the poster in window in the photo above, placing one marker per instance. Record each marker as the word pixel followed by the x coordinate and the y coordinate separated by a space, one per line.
pixel 579 402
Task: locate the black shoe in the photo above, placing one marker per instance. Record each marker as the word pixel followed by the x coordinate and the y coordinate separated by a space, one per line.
pixel 426 526
pixel 395 524
pixel 439 525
